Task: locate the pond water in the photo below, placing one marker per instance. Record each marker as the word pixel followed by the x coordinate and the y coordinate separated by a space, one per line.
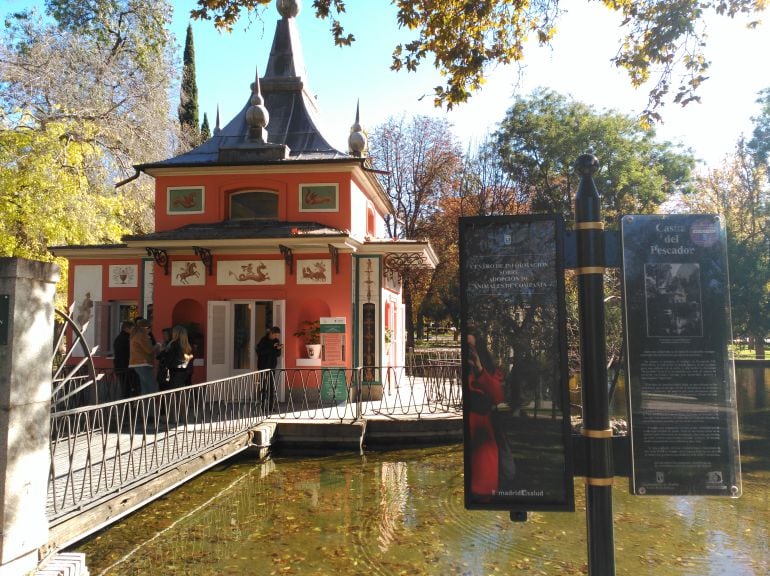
pixel 401 513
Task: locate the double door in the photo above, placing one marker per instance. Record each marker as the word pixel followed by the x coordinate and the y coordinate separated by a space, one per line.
pixel 234 328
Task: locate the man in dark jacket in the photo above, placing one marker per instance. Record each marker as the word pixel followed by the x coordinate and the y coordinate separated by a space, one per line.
pixel 121 348
pixel 268 351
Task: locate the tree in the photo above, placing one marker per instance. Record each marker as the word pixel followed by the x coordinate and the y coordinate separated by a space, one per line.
pixel 542 135
pixel 464 39
pixel 538 142
pixel 419 159
pixel 739 191
pixel 188 95
pixel 45 196
pixel 759 145
pixel 205 130
pixel 83 97
pixel 481 187
pixel 485 187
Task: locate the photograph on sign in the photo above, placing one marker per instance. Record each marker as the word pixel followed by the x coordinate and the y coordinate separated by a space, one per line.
pixel 673 299
pixel 515 398
pixel 680 379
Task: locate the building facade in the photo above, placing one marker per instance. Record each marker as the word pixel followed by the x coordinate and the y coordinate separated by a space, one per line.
pixel 265 224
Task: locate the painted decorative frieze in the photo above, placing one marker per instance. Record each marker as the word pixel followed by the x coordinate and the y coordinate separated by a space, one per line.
pixel 185 200
pixel 318 198
pixel 123 276
pixel 314 272
pixel 188 273
pixel 250 272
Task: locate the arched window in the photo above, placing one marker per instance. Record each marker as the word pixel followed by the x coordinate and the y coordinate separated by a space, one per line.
pixel 254 204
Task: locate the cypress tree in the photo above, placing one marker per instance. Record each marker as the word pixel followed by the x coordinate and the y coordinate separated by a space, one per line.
pixel 188 97
pixel 205 130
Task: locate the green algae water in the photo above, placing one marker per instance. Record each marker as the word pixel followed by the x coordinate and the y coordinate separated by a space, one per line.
pixel 401 513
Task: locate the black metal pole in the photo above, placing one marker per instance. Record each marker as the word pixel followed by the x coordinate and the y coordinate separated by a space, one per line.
pixel 589 232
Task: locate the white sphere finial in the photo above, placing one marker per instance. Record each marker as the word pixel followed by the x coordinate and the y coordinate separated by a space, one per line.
pixel 288 8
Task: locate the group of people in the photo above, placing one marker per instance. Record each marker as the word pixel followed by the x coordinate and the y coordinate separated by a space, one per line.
pixel 144 365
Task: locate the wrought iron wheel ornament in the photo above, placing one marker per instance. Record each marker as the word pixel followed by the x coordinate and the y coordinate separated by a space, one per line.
pixel 71 376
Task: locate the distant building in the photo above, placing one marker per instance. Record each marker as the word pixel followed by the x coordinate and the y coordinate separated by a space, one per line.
pixel 266 223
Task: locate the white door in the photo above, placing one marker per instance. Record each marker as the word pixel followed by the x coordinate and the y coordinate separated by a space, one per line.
pixel 279 319
pixel 217 346
pixel 244 335
pixel 235 327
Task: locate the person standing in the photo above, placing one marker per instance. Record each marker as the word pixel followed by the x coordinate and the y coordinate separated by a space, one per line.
pixel 142 356
pixel 179 358
pixel 268 352
pixel 121 348
pixel 164 373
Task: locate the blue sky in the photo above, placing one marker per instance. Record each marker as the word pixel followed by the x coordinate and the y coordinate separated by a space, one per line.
pixel 578 65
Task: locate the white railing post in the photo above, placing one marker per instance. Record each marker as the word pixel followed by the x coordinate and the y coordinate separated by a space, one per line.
pixel 27 291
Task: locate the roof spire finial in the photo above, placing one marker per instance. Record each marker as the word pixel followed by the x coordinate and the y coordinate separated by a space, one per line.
pixel 288 8
pixel 217 128
pixel 257 116
pixel 357 138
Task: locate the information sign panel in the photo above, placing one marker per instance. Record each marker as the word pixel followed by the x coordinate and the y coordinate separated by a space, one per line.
pixel 333 382
pixel 515 400
pixel 680 378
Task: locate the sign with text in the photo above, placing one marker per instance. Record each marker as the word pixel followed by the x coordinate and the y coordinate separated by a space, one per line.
pixel 515 400
pixel 333 382
pixel 680 379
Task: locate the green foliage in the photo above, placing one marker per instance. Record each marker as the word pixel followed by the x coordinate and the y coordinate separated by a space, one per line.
pixel 749 264
pixel 527 167
pixel 205 130
pixel 309 331
pixel 45 196
pixel 759 145
pixel 542 135
pixel 83 97
pixel 188 93
pixel 464 39
pixel 739 191
pixel 125 29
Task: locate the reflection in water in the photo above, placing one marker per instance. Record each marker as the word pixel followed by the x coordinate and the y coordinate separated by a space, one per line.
pixel 393 503
pixel 402 513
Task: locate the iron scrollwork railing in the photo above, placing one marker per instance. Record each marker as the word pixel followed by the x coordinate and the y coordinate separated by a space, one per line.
pixel 100 449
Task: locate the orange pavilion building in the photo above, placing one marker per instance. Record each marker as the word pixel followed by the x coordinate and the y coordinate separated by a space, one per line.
pixel 264 224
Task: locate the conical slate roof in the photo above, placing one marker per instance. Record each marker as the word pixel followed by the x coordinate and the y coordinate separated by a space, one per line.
pixel 292 128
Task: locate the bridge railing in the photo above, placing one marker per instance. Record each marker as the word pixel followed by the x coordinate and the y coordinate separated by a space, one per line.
pixel 98 450
pixel 341 393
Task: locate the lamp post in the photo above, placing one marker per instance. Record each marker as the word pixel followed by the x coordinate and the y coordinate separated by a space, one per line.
pixel 589 232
